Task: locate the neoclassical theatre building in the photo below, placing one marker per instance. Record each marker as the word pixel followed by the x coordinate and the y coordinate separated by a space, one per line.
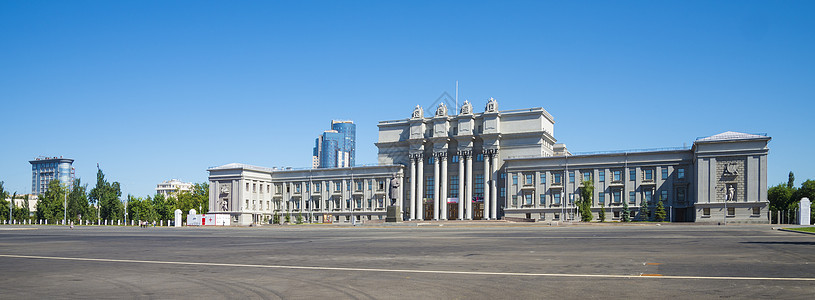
pixel 497 164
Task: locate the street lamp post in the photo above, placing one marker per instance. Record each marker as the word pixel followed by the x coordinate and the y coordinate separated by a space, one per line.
pixel 65 208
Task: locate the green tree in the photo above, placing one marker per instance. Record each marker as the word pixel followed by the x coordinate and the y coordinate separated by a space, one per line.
pixel 625 216
pixel 659 212
pixel 22 213
pixel 51 205
pixel 78 203
pixel 586 200
pixel 140 209
pixel 643 214
pixel 4 205
pixel 602 214
pixel 164 207
pixel 107 196
pixel 807 190
pixel 791 180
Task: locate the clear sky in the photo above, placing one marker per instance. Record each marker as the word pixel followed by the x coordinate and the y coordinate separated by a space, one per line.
pixel 154 90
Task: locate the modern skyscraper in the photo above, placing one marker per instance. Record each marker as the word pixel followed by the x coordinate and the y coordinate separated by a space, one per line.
pixel 335 148
pixel 46 169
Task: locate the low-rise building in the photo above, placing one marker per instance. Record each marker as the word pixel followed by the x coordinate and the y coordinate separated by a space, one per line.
pixel 173 186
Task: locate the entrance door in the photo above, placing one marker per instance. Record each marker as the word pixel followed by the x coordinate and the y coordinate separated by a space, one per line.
pixel 452 211
pixel 478 210
pixel 428 211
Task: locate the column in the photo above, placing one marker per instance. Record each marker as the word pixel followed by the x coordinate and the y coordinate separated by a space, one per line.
pixel 487 198
pixel 494 188
pixel 469 188
pixel 412 188
pixel 443 190
pixel 401 197
pixel 461 179
pixel 436 193
pixel 343 194
pixel 420 188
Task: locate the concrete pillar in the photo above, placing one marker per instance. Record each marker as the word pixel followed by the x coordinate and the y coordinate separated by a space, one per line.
pixel 469 188
pixel 420 188
pixel 443 189
pixel 461 180
pixel 494 188
pixel 412 188
pixel 487 196
pixel 436 190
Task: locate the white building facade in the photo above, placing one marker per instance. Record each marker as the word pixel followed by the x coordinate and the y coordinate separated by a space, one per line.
pixel 496 164
pixel 171 187
pixel 254 195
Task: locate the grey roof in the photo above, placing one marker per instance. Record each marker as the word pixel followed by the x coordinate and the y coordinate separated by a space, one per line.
pixel 731 135
pixel 239 166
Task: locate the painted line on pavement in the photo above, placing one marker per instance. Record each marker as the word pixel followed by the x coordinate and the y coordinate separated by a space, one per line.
pixel 642 276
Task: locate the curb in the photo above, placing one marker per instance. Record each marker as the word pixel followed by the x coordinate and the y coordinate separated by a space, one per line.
pixel 796 231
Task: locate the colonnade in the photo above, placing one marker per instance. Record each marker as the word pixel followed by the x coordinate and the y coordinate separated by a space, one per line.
pixel 441 185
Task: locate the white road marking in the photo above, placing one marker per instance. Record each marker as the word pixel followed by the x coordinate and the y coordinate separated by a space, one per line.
pixel 405 271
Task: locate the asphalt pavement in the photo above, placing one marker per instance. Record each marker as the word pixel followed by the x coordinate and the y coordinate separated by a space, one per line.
pixel 410 261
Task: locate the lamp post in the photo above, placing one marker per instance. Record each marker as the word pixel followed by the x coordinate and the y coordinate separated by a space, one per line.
pixel 65 207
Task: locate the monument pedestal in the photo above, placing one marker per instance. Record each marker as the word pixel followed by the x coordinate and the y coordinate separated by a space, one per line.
pixel 394 215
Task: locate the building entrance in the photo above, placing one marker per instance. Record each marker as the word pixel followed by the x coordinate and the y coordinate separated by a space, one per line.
pixel 452 210
pixel 428 211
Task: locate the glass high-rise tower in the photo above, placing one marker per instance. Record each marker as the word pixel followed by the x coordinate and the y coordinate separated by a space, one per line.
pixel 46 169
pixel 336 148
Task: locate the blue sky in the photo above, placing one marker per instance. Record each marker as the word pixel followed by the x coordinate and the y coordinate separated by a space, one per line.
pixel 154 90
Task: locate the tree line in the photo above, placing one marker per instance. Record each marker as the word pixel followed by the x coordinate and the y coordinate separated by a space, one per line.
pixel 784 197
pixel 104 202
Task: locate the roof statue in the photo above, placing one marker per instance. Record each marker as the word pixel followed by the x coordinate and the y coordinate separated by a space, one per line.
pixel 441 111
pixel 466 108
pixel 418 112
pixel 492 106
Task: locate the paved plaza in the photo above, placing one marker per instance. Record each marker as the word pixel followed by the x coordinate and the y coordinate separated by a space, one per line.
pixel 453 261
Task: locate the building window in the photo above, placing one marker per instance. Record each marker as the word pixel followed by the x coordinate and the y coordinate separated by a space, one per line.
pixel 557 178
pixel 317 187
pixel 632 197
pixel 514 200
pixel 431 160
pixel 663 196
pixel 380 202
pixel 297 188
pixel 543 178
pixel 649 174
pixel 503 192
pixel 359 185
pixel 479 186
pixel 528 198
pixel 731 211
pixel 632 175
pixel 680 195
pixel 680 173
pixel 370 184
pixel 664 173
pixel 515 179
pixel 617 214
pixel 648 196
pixel 586 175
pixel 615 196
pixel 454 158
pixel 530 179
pixel 542 200
pixel 479 157
pixel 571 177
pixel 503 175
pixel 381 185
pixel 602 175
pixel 601 198
pixel 756 211
pixel 337 186
pixel 556 198
pixel 454 186
pixel 308 188
pixel 348 185
pixel 429 188
pixel 617 175
pixel 247 186
pixel 557 216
